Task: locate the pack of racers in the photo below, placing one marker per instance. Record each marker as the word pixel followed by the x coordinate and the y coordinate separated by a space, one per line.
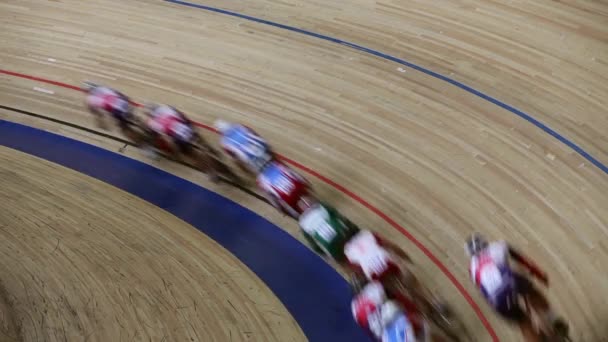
pixel 381 306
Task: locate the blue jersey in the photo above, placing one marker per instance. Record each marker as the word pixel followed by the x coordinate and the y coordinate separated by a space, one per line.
pixel 247 146
pixel 399 330
pixel 278 180
pixel 284 187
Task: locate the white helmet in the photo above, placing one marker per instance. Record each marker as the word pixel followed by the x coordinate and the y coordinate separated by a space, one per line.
pixel 221 125
pixel 88 85
pixel 475 243
pixel 389 311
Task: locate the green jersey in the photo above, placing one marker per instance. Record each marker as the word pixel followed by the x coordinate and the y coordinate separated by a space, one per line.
pixel 327 230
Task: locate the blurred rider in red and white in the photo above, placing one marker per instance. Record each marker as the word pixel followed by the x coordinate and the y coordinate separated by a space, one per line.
pixel 105 102
pixel 169 129
pixel 285 189
pixel 389 316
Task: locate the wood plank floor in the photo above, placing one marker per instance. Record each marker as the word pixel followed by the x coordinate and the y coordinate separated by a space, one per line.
pixel 437 159
pixel 548 58
pixel 76 267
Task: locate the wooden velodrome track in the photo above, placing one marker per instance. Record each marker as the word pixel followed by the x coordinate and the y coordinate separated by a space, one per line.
pixel 439 160
pixel 109 279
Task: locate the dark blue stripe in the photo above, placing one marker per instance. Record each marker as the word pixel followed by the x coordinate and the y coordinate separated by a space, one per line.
pixel 376 53
pixel 316 296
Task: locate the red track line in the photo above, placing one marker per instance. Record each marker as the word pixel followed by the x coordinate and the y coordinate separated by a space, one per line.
pixel 34 78
pixel 347 192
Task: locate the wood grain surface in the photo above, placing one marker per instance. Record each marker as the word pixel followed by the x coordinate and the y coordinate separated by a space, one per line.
pixel 437 159
pixel 83 260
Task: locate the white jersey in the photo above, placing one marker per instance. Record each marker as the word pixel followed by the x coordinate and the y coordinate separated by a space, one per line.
pixel 365 307
pixel 96 101
pixel 490 268
pixel 364 251
pixel 100 97
pixel 164 111
pixel 110 101
pixel 103 91
pixel 167 120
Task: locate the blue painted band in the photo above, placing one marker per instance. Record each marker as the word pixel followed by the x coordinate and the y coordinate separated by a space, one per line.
pixel 316 296
pixel 431 73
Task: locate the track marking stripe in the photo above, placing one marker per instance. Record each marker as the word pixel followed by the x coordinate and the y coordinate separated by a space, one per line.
pixel 411 65
pixel 347 192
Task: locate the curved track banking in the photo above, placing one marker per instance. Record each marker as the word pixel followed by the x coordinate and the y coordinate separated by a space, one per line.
pixel 342 189
pixel 435 156
pixel 298 277
pixel 83 260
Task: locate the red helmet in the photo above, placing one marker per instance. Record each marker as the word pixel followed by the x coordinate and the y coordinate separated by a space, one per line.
pixel 362 309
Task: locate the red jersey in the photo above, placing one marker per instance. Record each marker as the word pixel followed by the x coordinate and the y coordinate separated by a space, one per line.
pixel 285 186
pixel 365 308
pixel 366 254
pixel 110 101
pixel 167 120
